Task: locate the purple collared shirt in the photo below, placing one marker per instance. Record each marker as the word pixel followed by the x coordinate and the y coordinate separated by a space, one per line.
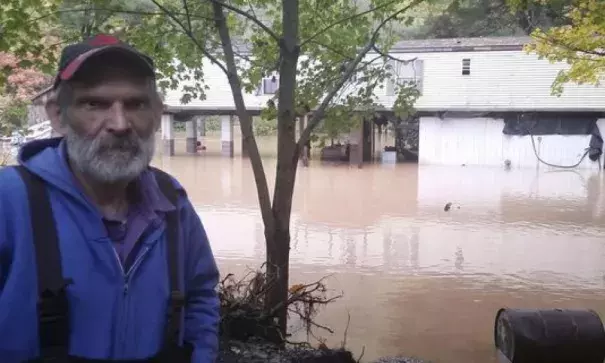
pixel 147 209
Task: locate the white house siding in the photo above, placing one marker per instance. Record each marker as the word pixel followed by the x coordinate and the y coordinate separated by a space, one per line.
pixel 218 94
pixel 499 81
pixel 480 141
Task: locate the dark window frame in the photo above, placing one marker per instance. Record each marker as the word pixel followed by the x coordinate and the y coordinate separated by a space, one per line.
pixel 466 66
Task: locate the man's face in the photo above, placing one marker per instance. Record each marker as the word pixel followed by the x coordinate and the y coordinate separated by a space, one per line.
pixel 110 118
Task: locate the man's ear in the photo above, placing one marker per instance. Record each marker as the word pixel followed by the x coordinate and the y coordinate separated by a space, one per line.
pixel 159 111
pixel 53 111
pixel 158 124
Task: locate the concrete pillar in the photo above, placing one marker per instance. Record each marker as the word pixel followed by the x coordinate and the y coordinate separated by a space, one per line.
pixel 366 140
pixel 191 134
pixel 201 127
pixel 168 134
pixel 356 146
pixel 227 136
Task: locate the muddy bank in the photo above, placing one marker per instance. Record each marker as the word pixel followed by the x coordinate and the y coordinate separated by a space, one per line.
pixel 258 352
pixel 247 330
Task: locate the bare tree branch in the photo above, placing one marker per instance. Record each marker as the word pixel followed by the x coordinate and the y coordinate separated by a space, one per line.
pixel 557 43
pixel 260 177
pixel 351 68
pixel 332 49
pixel 251 17
pixel 344 20
pixel 252 9
pixel 238 54
pixel 388 56
pixel 187 32
pixel 114 10
pixel 187 15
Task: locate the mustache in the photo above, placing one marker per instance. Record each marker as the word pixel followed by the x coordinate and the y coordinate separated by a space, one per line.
pixel 123 142
pixel 110 157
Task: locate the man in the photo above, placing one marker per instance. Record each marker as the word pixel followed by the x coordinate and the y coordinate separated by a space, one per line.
pixel 114 247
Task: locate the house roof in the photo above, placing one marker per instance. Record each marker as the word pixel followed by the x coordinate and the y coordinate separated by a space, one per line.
pixel 442 45
pixel 461 44
pixel 41 93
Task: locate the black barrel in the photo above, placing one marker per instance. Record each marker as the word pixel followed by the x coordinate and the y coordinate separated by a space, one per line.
pixel 549 336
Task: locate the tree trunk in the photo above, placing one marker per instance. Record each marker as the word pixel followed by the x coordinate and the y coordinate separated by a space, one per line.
pixel 278 240
pixel 524 20
pixel 278 272
pixel 276 217
pixel 245 119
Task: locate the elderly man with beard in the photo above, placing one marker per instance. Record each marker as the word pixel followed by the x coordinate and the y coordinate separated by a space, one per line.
pixel 102 258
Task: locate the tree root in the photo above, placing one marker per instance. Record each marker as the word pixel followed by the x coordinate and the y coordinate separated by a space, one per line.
pixel 243 312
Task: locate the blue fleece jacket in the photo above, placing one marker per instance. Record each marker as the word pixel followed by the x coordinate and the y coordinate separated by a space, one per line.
pixel 106 322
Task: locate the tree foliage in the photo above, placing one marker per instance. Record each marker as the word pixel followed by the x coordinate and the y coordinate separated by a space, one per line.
pixel 156 28
pixel 13 116
pixel 329 59
pixel 23 61
pixel 478 18
pixel 18 83
pixel 580 43
pixel 264 127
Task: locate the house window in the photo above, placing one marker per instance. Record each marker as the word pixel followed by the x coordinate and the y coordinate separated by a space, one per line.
pixel 403 73
pixel 269 85
pixel 466 67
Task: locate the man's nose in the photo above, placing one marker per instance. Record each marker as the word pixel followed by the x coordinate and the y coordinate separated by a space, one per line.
pixel 117 120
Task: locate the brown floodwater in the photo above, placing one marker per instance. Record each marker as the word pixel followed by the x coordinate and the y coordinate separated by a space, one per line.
pixel 417 280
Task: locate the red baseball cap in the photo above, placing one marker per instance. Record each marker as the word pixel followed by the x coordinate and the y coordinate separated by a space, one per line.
pixel 74 55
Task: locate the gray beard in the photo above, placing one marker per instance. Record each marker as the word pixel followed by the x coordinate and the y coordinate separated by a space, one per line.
pixel 123 160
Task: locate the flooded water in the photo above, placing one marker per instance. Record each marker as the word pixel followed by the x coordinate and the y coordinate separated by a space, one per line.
pixel 417 280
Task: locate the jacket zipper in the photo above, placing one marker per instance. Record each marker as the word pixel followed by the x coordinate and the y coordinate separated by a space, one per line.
pixel 126 275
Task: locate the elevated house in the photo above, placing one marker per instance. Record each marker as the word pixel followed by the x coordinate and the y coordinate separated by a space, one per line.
pixel 36 112
pixel 484 101
pixel 37 121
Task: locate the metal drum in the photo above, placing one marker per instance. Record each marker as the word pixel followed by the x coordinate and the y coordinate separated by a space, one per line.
pixel 549 336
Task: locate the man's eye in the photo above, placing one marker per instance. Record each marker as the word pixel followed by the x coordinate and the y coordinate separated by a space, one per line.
pixel 94 104
pixel 136 104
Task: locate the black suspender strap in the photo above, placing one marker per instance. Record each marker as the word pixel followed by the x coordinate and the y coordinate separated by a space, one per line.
pixel 177 298
pixel 53 314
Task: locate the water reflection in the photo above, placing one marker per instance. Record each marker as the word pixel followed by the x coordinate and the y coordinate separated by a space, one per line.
pixel 417 277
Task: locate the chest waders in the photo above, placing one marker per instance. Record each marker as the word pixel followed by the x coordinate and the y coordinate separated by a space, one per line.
pixel 53 317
